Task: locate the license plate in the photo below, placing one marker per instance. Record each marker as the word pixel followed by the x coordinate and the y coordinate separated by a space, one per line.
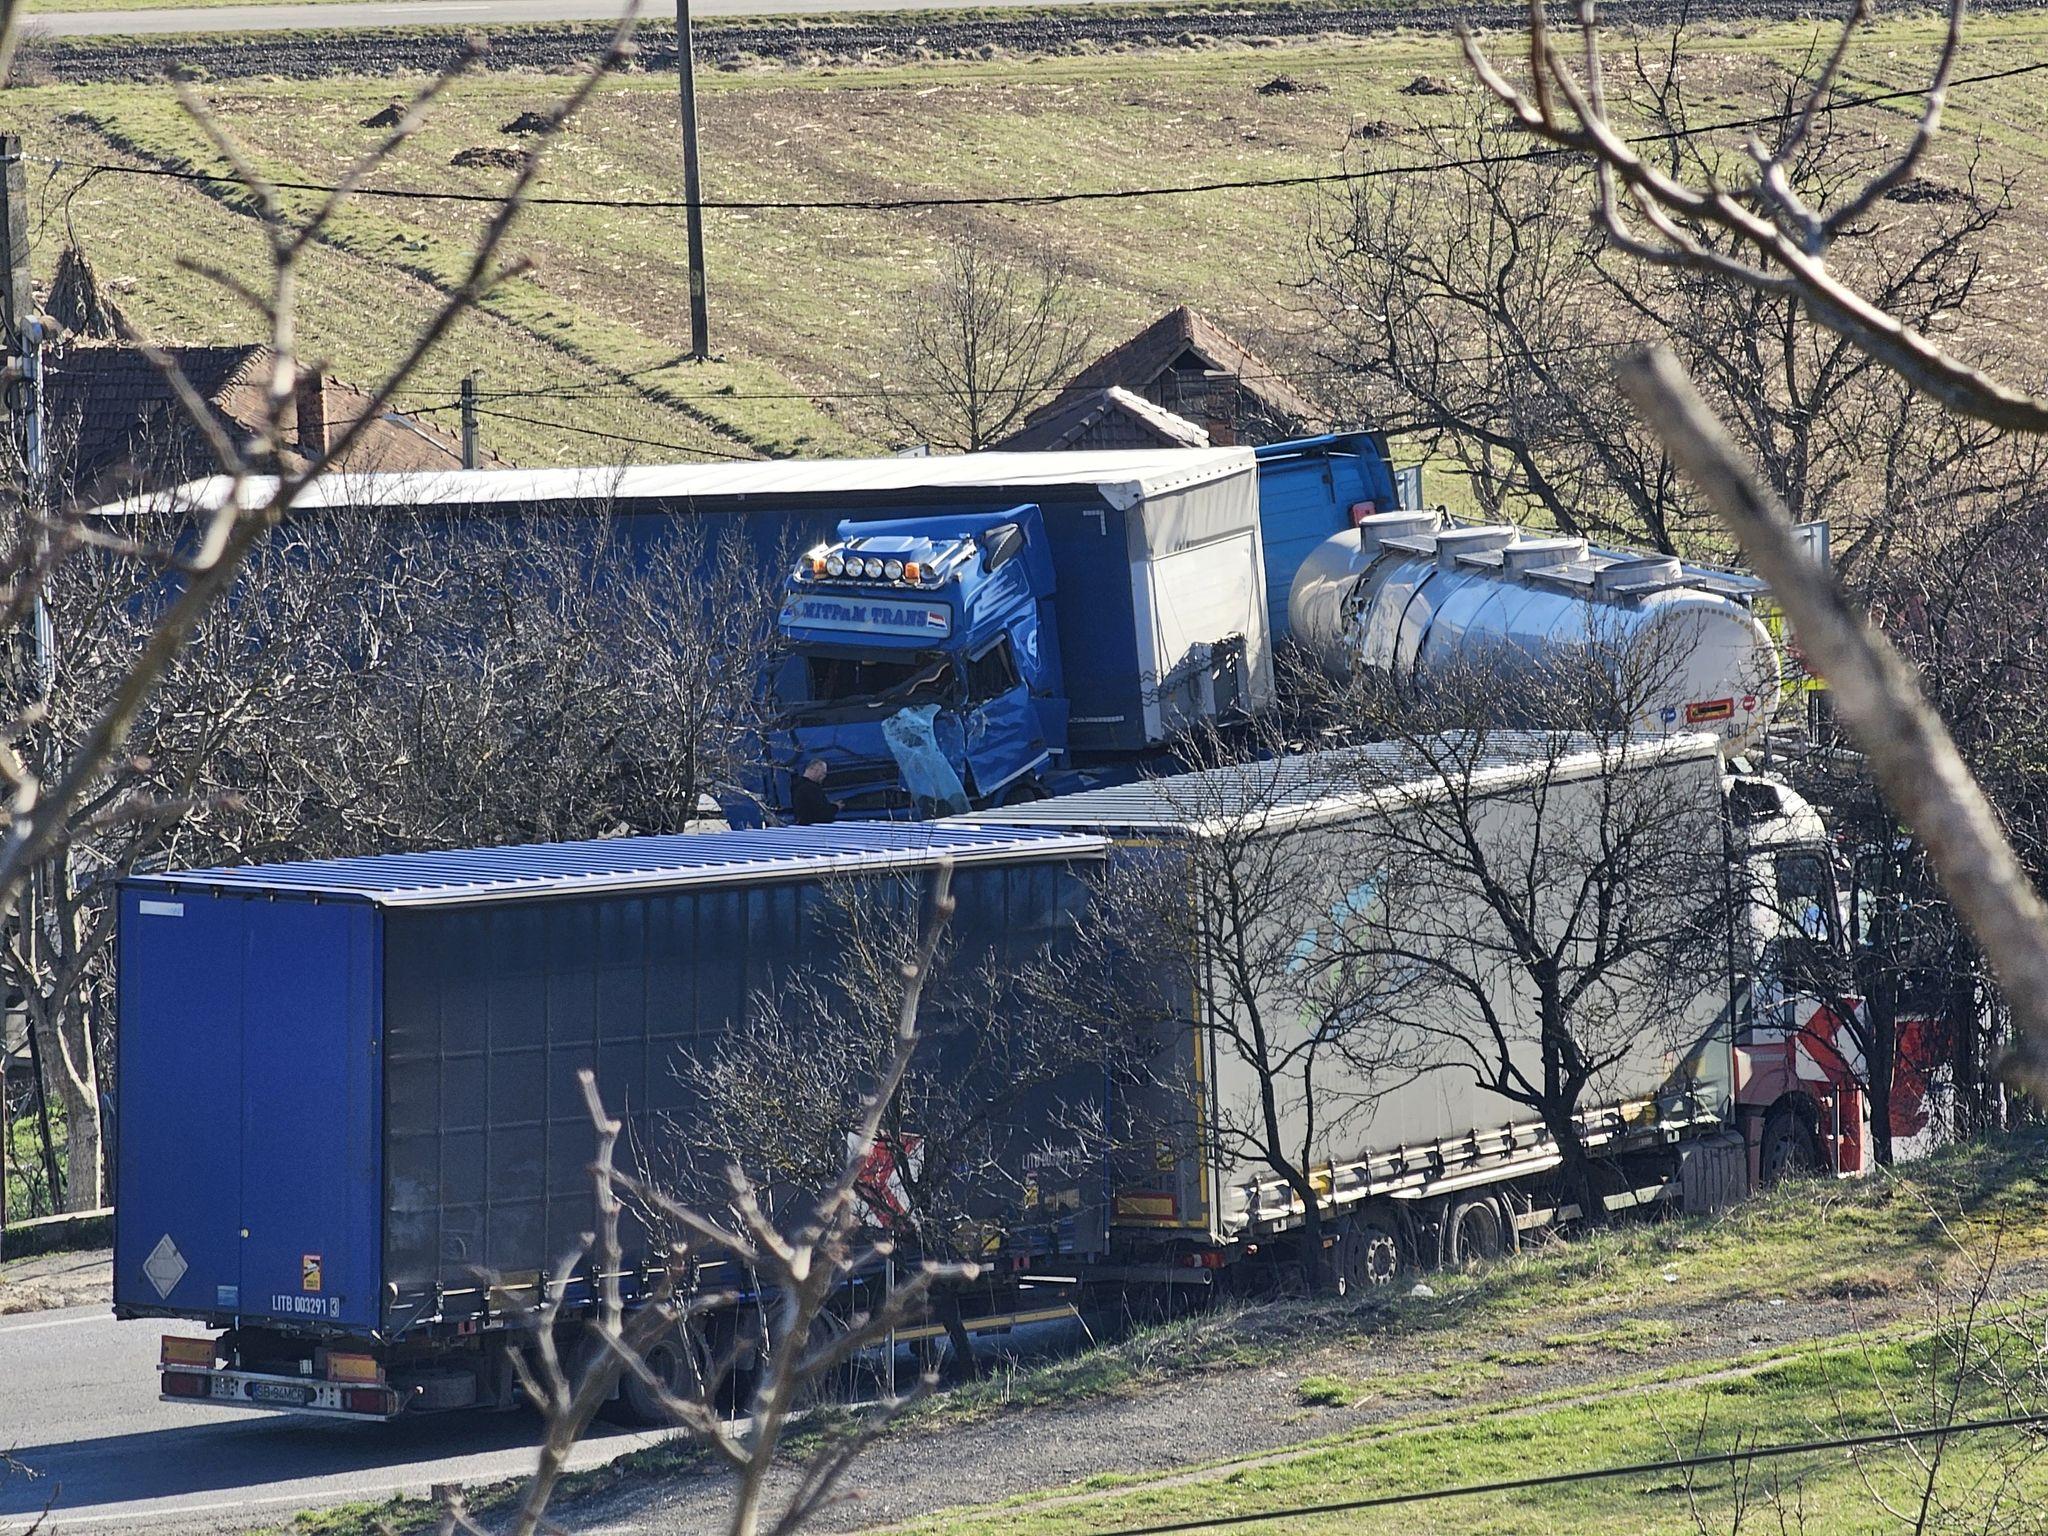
pixel 281 1392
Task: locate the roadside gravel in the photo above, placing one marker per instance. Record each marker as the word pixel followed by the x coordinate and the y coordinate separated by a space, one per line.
pixel 56 1280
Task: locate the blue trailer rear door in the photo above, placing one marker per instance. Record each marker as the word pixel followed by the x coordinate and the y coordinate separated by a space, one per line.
pixel 310 1114
pixel 178 1125
pixel 249 1181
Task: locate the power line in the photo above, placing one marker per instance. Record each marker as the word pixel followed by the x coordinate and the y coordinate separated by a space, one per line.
pixel 606 390
pixel 1028 199
pixel 1596 1474
pixel 617 437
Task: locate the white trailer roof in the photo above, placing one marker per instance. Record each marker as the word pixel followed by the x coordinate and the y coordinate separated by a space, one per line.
pixel 663 862
pixel 1311 787
pixel 1123 477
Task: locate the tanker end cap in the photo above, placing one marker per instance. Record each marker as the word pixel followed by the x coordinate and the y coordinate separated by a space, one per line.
pixel 1318 612
pixel 1717 669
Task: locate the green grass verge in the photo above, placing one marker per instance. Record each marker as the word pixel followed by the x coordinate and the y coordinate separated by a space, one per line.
pixel 28 1186
pixel 1602 1301
pixel 1825 1392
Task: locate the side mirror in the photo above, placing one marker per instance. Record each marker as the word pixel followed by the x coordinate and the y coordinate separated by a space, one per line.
pixel 1001 545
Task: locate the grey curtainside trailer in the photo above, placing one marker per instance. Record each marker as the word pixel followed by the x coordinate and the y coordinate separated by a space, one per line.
pixel 1416 1160
pixel 350 1112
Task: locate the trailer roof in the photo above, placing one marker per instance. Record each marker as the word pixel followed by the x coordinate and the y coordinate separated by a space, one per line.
pixel 1123 477
pixel 468 876
pixel 1321 786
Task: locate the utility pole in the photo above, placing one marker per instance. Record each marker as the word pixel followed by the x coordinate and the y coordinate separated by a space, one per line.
pixel 469 421
pixel 24 339
pixel 693 196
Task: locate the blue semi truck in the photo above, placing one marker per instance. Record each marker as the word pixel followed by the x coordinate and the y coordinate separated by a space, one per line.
pixel 969 658
pixel 353 1146
pixel 994 622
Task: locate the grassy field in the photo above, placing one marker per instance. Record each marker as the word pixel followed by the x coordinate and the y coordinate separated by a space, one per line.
pixel 1633 1344
pixel 804 303
pixel 1820 1393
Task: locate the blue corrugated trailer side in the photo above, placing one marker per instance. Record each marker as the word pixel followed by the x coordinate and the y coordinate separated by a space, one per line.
pixel 1308 489
pixel 350 1118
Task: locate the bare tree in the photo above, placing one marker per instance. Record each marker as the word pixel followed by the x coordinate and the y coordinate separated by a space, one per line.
pixel 1474 306
pixel 1232 932
pixel 1000 1109
pixel 800 1265
pixel 1553 935
pixel 1465 309
pixel 1757 229
pixel 70 767
pixel 983 343
pixel 1911 752
pixel 376 679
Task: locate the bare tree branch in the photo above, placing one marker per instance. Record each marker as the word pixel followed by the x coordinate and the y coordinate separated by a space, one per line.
pixel 1770 239
pixel 1876 696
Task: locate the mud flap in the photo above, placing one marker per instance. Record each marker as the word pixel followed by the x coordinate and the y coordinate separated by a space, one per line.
pixel 1713 1173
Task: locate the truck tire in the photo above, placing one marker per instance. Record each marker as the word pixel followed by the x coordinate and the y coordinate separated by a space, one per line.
pixel 1368 1253
pixel 1477 1231
pixel 1789 1148
pixel 637 1405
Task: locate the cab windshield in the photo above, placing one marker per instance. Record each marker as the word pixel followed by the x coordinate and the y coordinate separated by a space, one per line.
pixel 924 677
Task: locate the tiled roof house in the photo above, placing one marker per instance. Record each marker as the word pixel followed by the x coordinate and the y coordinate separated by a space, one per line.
pixel 115 426
pixel 1184 365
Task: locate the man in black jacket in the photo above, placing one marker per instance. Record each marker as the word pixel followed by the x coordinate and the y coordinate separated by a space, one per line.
pixel 807 798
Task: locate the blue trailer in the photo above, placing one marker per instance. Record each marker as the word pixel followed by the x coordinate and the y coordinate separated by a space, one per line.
pixel 971 658
pixel 350 1124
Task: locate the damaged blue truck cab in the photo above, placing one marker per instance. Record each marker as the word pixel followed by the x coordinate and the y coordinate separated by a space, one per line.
pixel 975 656
pixel 925 659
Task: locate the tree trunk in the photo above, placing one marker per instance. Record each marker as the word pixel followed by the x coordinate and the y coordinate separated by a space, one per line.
pixel 965 1363
pixel 66 1043
pixel 1967 1046
pixel 1575 1174
pixel 1315 1260
pixel 1881 1064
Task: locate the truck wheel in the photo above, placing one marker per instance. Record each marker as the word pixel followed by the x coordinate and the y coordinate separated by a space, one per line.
pixel 1789 1149
pixel 1368 1254
pixel 637 1405
pixel 1477 1232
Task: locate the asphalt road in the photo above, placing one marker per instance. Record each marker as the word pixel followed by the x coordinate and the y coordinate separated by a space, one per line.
pixel 446 13
pixel 78 1409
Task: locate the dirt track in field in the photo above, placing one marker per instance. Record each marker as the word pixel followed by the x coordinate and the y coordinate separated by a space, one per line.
pixel 863 40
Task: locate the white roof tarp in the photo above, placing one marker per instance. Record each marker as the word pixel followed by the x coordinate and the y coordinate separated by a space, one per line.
pixel 1124 478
